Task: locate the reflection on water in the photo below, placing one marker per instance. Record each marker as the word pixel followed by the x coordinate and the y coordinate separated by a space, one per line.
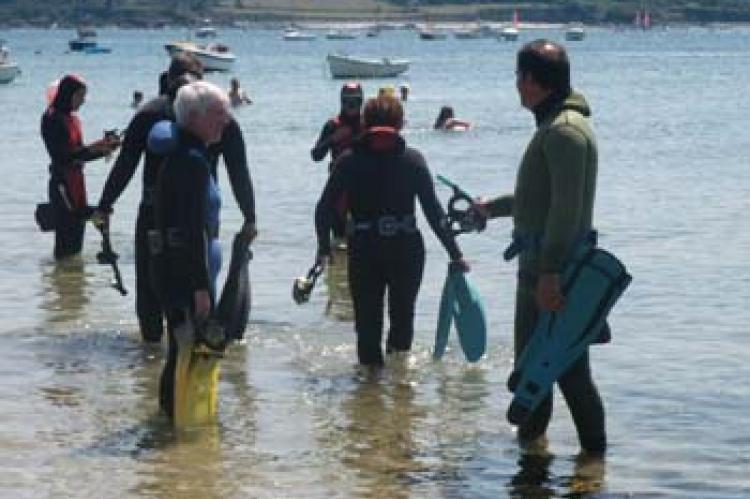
pixel 339 303
pixel 535 480
pixel 64 286
pixel 379 447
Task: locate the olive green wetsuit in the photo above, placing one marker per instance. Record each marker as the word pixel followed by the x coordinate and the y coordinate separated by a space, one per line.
pixel 553 204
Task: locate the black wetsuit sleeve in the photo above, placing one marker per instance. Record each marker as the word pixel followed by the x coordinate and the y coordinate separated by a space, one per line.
pixel 501 206
pixel 133 145
pixel 324 141
pixel 194 225
pixel 56 138
pixel 325 211
pixel 432 209
pixel 235 159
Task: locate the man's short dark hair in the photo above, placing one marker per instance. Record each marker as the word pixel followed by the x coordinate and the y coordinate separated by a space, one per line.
pixel 547 62
pixel 184 63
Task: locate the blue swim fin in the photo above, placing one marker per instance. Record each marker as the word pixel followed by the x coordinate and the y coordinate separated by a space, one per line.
pixel 445 318
pixel 461 303
pixel 471 321
pixel 592 282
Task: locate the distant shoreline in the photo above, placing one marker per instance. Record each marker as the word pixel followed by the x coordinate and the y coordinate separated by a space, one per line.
pixel 275 13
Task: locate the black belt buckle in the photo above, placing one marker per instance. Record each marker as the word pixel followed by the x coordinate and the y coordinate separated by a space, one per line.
pixel 388 226
pixel 176 238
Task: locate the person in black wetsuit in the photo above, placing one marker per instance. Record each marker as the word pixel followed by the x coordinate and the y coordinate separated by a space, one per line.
pixel 382 178
pixel 231 146
pixel 63 137
pixel 337 136
pixel 187 203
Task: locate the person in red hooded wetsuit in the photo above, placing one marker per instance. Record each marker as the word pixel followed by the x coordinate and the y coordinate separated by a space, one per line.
pixel 63 137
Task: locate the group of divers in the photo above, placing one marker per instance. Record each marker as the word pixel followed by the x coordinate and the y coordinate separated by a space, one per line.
pixel 566 284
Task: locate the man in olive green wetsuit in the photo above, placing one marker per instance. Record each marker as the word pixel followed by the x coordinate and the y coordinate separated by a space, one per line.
pixel 552 211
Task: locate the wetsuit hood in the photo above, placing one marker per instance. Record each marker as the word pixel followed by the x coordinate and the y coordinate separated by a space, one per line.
pixel 69 85
pixel 382 140
pixel 557 102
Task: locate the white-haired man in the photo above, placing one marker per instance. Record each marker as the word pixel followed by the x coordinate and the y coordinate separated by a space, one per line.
pixel 187 204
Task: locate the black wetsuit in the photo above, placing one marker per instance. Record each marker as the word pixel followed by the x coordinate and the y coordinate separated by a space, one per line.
pixel 325 144
pixel 61 132
pixel 232 147
pixel 382 178
pixel 180 265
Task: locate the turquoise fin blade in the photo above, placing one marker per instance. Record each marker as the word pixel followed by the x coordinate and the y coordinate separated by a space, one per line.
pixel 470 317
pixel 445 318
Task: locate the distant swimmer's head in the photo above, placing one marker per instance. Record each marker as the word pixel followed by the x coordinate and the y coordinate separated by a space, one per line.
pixel 542 69
pixel 202 108
pixel 352 97
pixel 184 69
pixel 446 113
pixel 70 94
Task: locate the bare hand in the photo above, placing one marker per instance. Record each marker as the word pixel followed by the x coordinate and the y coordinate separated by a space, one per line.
pixel 100 218
pixel 202 304
pixel 460 265
pixel 249 231
pixel 482 205
pixel 549 296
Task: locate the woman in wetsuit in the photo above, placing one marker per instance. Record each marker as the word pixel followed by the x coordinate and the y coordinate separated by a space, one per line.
pixel 382 179
pixel 63 136
pixel 185 245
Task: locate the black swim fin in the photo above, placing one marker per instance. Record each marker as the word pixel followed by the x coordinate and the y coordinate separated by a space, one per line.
pixel 233 309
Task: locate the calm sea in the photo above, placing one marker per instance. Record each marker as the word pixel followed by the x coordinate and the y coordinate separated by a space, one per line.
pixel 78 389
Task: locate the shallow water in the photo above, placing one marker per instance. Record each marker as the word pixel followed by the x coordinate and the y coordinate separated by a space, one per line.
pixel 297 419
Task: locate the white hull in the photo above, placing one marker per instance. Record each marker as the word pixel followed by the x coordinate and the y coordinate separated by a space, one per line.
pixel 212 61
pixel 340 35
pixel 357 67
pixel 8 72
pixel 509 34
pixel 298 36
pixel 575 34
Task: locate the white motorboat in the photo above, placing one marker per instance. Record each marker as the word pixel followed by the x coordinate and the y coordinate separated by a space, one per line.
pixel 509 34
pixel 8 69
pixel 213 56
pixel 338 34
pixel 295 35
pixel 575 33
pixel 346 66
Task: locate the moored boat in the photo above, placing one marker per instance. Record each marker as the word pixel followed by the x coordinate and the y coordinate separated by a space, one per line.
pixel 8 69
pixel 345 66
pixel 214 56
pixel 295 35
pixel 575 33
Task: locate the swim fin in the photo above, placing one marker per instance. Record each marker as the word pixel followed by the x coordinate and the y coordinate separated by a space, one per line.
pixel 462 305
pixel 233 309
pixel 592 282
pixel 196 379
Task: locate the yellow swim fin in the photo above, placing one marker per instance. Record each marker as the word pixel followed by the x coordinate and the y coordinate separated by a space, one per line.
pixel 196 381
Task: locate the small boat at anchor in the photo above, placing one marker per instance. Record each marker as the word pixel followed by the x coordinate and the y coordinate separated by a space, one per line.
pixel 8 68
pixel 346 66
pixel 213 56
